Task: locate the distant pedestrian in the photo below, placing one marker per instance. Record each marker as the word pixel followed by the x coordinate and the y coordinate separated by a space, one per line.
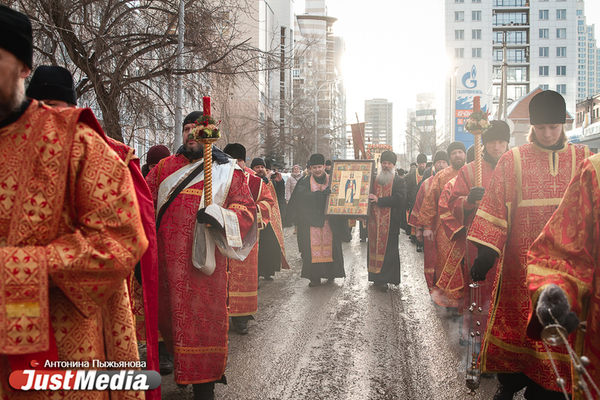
pixel 154 155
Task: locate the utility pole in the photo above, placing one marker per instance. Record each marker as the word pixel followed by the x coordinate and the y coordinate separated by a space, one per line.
pixel 178 139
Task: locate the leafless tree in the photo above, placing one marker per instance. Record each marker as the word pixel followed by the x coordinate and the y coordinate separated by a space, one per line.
pixel 123 54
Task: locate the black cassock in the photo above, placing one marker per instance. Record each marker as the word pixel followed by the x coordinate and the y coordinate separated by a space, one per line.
pixel 306 209
pixel 269 252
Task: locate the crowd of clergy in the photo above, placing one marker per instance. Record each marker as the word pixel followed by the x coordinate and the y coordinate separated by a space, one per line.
pixel 99 254
pixel 510 242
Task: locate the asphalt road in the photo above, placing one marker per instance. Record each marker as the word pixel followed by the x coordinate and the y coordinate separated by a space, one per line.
pixel 346 340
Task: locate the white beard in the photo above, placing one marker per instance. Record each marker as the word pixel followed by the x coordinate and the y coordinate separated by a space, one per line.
pixel 384 177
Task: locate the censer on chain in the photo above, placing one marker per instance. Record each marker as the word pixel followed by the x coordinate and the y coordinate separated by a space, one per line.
pixel 556 335
pixel 477 124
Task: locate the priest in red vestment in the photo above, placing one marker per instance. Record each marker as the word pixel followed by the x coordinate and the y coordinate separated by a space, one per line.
pixel 243 275
pixel 193 296
pixel 54 86
pixel 70 231
pixel 271 248
pixel 457 216
pixel 565 258
pixel 429 217
pixel 441 161
pixel 387 201
pixel 526 187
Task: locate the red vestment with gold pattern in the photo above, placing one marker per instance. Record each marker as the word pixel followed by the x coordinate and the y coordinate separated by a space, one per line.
pixel 527 185
pixel 243 275
pixel 70 233
pixel 437 294
pixel 567 254
pixel 277 224
pixel 457 216
pixel 193 314
pixel 144 295
pixel 379 228
pixel 428 246
pixel 429 217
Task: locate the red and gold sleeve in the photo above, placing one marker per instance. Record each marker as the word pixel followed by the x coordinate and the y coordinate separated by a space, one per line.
pixel 457 202
pixel 264 205
pixel 107 238
pixel 449 221
pixel 490 225
pixel 240 201
pixel 429 208
pixel 416 210
pixel 566 252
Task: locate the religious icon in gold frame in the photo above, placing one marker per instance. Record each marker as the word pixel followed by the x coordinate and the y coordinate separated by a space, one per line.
pixel 351 183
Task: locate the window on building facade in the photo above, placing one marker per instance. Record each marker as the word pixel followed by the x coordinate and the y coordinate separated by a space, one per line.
pixel 561 52
pixel 580 12
pixel 476 1
pixel 459 16
pixel 476 34
pixel 544 51
pixel 459 53
pixel 544 15
pixel 459 34
pixel 544 33
pixel 562 89
pixel 476 53
pixel 561 70
pixel 561 33
pixel 561 14
pixel 476 15
pixel 544 87
pixel 459 1
pixel 544 70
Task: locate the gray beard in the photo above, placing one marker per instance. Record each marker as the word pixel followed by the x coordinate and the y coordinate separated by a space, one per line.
pixel 9 106
pixel 385 177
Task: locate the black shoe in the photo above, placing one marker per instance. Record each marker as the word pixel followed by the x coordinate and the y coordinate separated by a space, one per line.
pixel 502 393
pixel 268 278
pixel 165 364
pixel 382 287
pixel 204 391
pixel 330 281
pixel 419 248
pixel 363 240
pixel 314 282
pixel 241 329
pixel 165 359
pixel 413 239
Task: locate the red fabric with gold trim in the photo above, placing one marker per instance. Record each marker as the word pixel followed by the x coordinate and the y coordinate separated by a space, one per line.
pixel 567 254
pixel 526 187
pixel 379 228
pixel 429 217
pixel 199 344
pixel 67 210
pixel 277 225
pixel 428 246
pixel 457 218
pixel 243 275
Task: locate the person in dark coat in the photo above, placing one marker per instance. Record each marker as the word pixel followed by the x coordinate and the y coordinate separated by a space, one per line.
pixel 319 237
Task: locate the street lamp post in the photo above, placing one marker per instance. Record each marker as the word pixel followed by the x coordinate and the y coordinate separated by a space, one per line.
pixel 317 110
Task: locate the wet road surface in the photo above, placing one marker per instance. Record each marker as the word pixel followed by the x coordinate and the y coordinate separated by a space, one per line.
pixel 345 340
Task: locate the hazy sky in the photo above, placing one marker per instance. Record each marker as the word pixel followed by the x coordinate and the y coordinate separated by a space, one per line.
pixel 395 49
